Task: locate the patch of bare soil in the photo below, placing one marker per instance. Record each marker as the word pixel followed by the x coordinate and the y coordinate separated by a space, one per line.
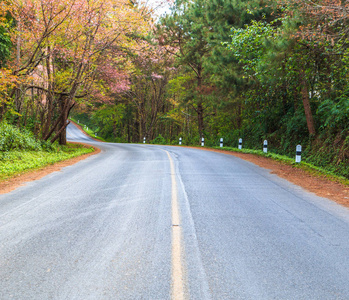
pixel 318 185
pixel 19 180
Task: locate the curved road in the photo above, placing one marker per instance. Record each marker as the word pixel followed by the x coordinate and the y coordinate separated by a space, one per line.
pixel 162 222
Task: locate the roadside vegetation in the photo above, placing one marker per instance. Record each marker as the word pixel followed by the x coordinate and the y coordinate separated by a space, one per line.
pixel 21 152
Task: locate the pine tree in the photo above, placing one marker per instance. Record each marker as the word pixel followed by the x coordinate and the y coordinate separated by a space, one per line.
pixel 183 33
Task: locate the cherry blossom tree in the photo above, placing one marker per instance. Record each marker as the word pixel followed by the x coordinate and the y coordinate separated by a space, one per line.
pixel 64 47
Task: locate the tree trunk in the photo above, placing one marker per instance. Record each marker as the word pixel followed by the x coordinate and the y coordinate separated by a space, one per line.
pixel 143 131
pixel 128 131
pixel 48 121
pixel 136 137
pixel 49 94
pixel 63 130
pixel 64 121
pixel 2 111
pixel 60 132
pixel 114 129
pixel 306 104
pixel 239 115
pixel 18 104
pixel 142 121
pixel 200 112
pixel 200 108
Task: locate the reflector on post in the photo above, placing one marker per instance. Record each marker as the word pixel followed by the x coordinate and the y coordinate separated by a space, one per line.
pixel 265 146
pixel 298 153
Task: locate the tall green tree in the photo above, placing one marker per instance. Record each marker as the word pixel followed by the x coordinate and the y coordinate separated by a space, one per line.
pixel 184 34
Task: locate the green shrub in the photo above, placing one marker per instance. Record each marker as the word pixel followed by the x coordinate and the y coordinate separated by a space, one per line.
pixel 48 146
pixel 159 140
pixel 12 138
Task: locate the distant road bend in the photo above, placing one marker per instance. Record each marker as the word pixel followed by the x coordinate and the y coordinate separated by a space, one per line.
pixel 159 222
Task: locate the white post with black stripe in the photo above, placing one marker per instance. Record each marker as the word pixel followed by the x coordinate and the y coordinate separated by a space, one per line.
pixel 78 121
pixel 221 143
pixel 240 144
pixel 298 153
pixel 180 141
pixel 265 146
pixel 144 140
pixel 202 142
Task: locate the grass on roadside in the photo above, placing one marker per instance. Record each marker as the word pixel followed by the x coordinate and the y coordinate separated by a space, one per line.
pixel 309 168
pixel 14 162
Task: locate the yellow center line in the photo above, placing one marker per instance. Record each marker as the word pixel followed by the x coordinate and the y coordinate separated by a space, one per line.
pixel 177 268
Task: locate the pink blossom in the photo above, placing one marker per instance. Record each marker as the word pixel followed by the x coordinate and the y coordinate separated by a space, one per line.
pixel 156 76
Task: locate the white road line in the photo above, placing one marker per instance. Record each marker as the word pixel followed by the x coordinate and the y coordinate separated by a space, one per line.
pixel 177 264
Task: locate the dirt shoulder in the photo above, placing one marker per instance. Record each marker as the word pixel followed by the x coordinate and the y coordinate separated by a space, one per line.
pixel 11 184
pixel 318 185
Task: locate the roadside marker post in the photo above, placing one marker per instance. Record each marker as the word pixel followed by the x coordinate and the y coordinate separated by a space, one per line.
pixel 298 153
pixel 202 142
pixel 144 140
pixel 221 143
pixel 240 144
pixel 78 121
pixel 265 146
pixel 180 141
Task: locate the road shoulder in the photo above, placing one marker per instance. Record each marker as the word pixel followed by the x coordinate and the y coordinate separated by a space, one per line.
pixel 319 185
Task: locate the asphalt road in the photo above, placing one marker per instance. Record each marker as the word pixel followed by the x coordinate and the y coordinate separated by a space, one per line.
pixel 161 222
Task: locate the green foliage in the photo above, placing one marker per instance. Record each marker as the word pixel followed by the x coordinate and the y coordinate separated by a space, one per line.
pixel 106 120
pixel 12 138
pixel 331 153
pixel 248 45
pixel 159 140
pixel 177 85
pixel 82 118
pixel 334 114
pixel 18 161
pixel 48 146
pixel 6 45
